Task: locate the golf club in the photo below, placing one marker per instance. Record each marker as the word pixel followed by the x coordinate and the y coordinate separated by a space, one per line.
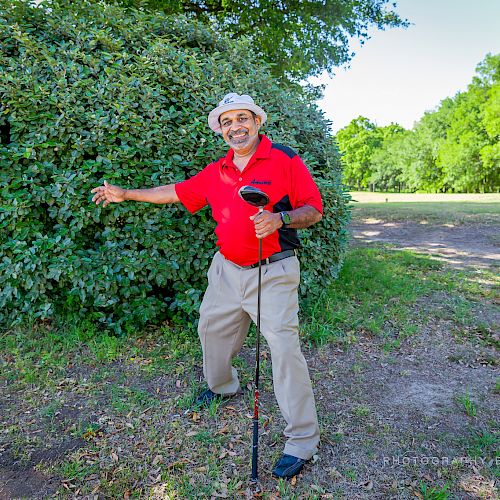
pixel 256 198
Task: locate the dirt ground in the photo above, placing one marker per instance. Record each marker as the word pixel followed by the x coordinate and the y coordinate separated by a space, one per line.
pixel 469 245
pixel 390 420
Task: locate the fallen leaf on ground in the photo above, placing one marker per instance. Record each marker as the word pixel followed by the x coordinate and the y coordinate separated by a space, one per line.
pixel 367 485
pixel 177 463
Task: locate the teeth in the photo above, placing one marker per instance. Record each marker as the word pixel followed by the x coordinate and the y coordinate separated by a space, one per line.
pixel 238 135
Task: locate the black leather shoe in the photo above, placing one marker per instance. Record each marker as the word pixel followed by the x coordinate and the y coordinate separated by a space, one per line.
pixel 288 466
pixel 206 397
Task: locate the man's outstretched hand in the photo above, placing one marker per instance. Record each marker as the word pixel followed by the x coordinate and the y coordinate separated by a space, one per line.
pixel 108 193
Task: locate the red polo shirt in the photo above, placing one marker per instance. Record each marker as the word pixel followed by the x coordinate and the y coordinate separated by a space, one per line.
pixel 275 169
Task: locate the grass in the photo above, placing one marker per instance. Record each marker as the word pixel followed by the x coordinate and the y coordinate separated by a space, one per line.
pixel 451 213
pixel 377 293
pixel 467 404
pixel 483 209
pixel 76 469
pixel 385 197
pixel 484 444
pixel 130 397
pixel 434 492
pixel 40 353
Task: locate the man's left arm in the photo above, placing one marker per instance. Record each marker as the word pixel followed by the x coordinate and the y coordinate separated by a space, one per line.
pixel 303 217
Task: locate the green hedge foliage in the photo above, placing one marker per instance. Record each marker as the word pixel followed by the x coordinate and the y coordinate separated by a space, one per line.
pixel 92 92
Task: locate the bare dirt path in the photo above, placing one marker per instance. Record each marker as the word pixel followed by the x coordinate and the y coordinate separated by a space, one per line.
pixel 414 393
pixel 467 245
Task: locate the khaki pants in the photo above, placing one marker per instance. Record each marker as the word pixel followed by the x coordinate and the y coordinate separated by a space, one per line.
pixel 229 304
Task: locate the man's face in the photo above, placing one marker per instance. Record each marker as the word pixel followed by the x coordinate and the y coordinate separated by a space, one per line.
pixel 240 130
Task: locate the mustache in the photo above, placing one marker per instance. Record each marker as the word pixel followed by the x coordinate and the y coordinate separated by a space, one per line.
pixel 236 132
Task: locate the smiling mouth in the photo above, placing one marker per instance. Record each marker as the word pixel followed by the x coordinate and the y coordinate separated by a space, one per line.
pixel 238 135
pixel 239 139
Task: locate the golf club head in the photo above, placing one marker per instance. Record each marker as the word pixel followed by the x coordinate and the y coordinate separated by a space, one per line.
pixel 253 196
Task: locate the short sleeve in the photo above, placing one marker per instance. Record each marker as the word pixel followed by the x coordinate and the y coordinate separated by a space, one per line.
pixel 192 192
pixel 304 190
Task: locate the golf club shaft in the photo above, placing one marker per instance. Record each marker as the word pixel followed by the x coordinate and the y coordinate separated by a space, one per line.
pixel 255 444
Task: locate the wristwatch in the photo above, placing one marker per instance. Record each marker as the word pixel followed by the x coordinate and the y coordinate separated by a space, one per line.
pixel 286 219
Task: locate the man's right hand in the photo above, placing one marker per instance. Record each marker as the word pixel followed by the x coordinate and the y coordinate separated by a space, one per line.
pixel 108 193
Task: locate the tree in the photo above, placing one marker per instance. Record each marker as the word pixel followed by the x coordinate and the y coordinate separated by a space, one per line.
pixel 357 142
pixel 455 147
pixel 387 161
pixel 472 136
pixel 299 38
pixel 420 169
pixel 490 154
pixel 91 92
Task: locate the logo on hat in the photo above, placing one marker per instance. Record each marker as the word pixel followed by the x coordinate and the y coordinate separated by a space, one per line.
pixel 230 102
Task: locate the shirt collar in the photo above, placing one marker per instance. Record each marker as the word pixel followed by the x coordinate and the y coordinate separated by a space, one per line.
pixel 263 151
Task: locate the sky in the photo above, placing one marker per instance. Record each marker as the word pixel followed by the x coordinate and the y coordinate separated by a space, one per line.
pixel 398 74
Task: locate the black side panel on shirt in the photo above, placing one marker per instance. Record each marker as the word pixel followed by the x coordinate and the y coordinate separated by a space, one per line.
pixel 285 149
pixel 287 238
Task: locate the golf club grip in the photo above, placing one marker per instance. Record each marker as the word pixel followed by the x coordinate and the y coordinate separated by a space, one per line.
pixel 255 447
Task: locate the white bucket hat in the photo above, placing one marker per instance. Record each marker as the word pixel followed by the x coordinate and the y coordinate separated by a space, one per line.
pixel 233 101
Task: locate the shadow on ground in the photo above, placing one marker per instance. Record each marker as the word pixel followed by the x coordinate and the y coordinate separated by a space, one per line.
pixel 461 246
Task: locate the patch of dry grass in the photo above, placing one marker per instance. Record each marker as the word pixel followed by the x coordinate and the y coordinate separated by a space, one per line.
pixel 367 197
pixel 445 209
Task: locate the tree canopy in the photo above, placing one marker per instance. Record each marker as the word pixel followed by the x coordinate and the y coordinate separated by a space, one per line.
pixel 455 147
pixel 357 143
pixel 92 92
pixel 298 38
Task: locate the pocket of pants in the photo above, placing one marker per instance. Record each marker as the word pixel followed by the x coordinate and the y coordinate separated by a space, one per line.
pixel 215 270
pixel 291 267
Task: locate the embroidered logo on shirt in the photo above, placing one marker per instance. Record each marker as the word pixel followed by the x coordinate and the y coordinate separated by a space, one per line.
pixel 255 181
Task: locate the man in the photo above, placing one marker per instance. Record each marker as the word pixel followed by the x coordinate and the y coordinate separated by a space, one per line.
pixel 230 301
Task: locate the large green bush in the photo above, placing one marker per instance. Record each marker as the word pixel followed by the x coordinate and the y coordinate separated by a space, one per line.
pixel 90 92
